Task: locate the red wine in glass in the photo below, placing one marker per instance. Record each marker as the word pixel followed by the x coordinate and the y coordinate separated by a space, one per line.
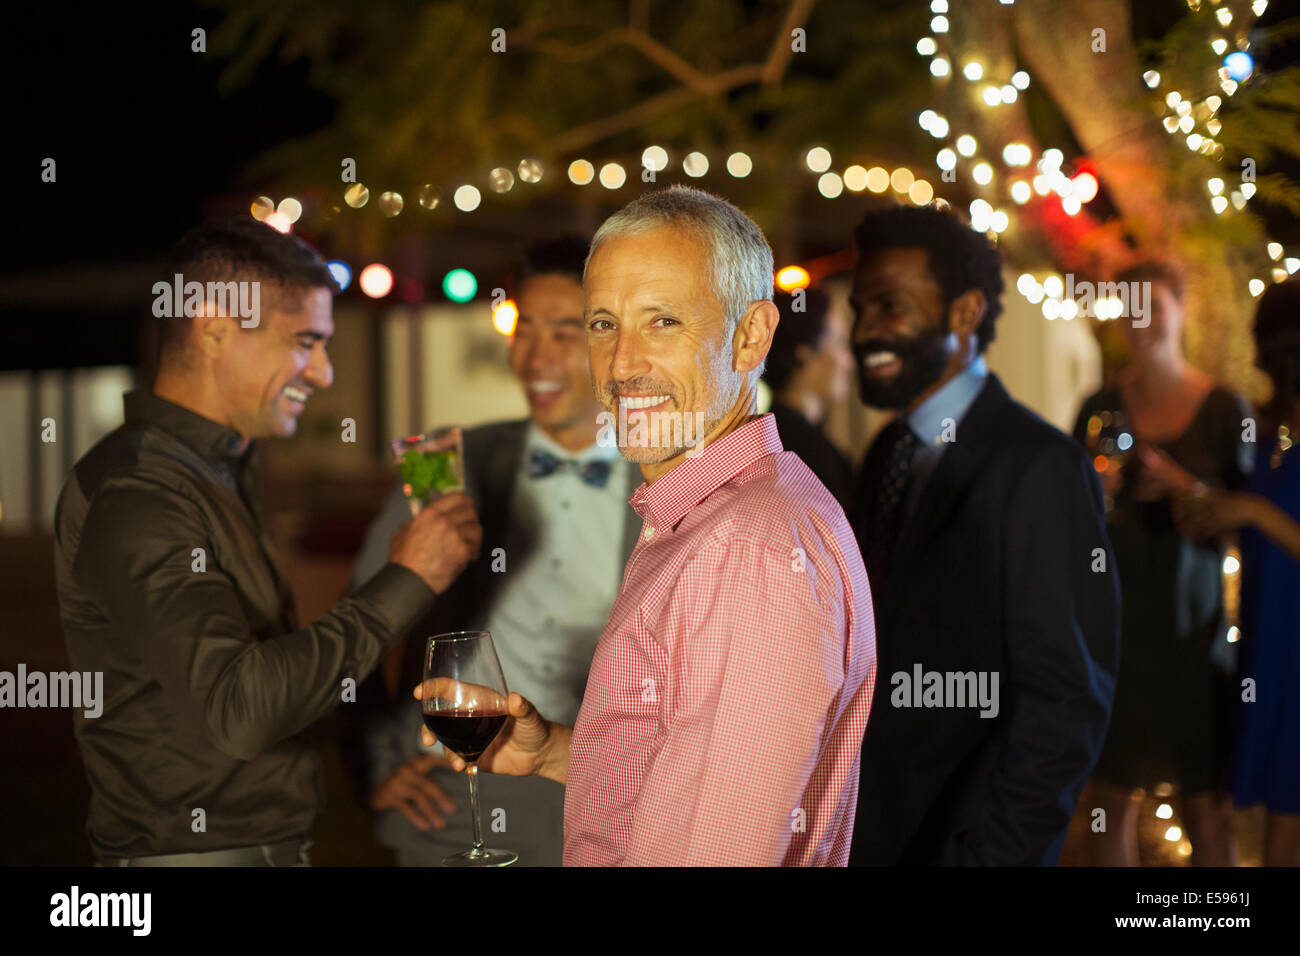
pixel 466 733
pixel 463 702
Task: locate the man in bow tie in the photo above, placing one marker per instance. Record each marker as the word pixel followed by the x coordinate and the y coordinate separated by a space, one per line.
pixel 555 502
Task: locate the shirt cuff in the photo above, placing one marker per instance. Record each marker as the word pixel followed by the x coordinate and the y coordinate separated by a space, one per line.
pixel 400 595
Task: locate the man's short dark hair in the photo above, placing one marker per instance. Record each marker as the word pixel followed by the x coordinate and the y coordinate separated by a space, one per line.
pixel 795 329
pixel 1156 271
pixel 960 259
pixel 563 255
pixel 241 249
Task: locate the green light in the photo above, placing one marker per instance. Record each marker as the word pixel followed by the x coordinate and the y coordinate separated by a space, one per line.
pixel 459 285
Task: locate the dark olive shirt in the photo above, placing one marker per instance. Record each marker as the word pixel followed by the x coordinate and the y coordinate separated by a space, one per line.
pixel 167 586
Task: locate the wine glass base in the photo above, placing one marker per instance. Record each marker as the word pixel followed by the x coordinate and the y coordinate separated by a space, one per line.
pixel 481 857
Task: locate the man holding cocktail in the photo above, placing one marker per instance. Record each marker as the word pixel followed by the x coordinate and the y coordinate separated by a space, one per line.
pixel 167 584
pixel 730 690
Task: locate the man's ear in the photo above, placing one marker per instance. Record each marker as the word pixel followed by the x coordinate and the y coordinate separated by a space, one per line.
pixel 213 334
pixel 966 313
pixel 754 333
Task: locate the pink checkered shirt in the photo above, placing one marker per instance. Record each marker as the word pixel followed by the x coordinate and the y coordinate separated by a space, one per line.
pixel 729 693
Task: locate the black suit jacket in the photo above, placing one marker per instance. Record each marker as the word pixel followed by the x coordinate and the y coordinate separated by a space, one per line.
pixel 994 573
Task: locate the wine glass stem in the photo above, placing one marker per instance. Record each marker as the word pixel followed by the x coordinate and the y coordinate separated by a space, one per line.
pixel 473 808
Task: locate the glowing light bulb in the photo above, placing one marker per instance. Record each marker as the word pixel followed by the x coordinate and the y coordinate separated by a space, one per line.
pixel 1085 186
pixel 654 158
pixel 466 198
pixel 504 317
pixel 818 159
pixel 612 176
pixel 376 280
pixel 581 172
pixel 695 164
pixel 791 278
pixel 830 185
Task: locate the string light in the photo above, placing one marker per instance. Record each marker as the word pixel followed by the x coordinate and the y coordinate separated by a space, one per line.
pixel 740 165
pixel 901 179
pixel 830 185
pixel 695 164
pixel 818 159
pixel 504 317
pixel 791 278
pixel 655 158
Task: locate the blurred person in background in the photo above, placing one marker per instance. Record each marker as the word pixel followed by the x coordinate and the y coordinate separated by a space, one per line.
pixel 982 528
pixel 1159 430
pixel 556 502
pixel 1267 514
pixel 168 585
pixel 809 370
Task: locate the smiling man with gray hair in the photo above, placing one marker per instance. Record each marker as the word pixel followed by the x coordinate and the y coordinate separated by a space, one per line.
pixel 744 605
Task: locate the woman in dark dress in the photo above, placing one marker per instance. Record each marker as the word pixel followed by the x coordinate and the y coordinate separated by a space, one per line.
pixel 809 370
pixel 1267 766
pixel 1164 427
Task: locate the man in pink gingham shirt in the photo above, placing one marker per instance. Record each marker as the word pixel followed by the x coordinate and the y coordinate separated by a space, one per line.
pixel 727 701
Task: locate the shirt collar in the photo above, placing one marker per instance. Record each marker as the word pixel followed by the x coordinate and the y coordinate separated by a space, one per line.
pixel 539 440
pixel 664 503
pixel 214 442
pixel 950 402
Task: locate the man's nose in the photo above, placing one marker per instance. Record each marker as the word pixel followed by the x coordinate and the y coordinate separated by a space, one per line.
pixel 628 360
pixel 319 372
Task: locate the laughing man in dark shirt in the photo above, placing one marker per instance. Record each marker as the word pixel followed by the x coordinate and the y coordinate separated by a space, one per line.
pixel 167 585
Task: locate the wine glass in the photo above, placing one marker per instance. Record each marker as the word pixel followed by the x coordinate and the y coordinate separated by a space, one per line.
pixel 464 705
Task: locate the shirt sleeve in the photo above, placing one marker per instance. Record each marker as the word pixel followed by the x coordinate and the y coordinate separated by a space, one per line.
pixel 189 630
pixel 755 674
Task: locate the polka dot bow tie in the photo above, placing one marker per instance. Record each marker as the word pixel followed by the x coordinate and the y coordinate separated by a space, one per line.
pixel 594 473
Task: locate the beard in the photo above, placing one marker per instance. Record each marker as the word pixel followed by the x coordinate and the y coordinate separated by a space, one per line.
pixel 922 360
pixel 666 443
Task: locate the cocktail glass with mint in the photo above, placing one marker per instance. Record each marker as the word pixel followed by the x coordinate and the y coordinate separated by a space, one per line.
pixel 431 465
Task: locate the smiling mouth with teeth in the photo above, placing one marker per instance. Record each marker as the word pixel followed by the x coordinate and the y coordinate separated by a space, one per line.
pixel 876 359
pixel 634 402
pixel 542 387
pixel 295 394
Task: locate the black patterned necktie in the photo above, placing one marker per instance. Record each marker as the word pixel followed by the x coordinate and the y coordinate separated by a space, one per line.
pixel 885 501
